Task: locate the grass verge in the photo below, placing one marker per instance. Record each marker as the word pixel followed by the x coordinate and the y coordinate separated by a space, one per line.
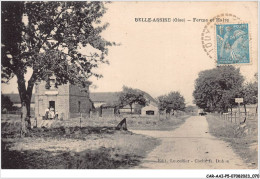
pixel 156 124
pixel 134 122
pixel 64 145
pixel 242 138
pixel 75 148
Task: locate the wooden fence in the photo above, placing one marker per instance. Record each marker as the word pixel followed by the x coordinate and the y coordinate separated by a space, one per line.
pixel 235 117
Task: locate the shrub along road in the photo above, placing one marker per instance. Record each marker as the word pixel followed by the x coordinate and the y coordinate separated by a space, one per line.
pixel 190 146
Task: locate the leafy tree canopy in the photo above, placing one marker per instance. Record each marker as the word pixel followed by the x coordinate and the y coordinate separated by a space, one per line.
pixel 216 89
pixel 130 96
pixel 171 101
pixel 249 92
pixel 46 37
pixel 191 109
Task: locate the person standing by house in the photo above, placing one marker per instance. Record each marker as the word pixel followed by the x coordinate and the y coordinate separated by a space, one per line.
pixel 56 115
pixel 46 114
pixel 51 114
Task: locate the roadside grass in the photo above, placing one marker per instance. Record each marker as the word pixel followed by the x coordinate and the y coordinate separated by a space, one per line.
pixel 134 122
pixel 71 148
pixel 242 138
pixel 94 145
pixel 156 124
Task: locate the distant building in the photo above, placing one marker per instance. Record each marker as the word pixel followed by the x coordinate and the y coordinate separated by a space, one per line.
pixel 108 100
pixel 68 100
pixel 151 109
pixel 104 98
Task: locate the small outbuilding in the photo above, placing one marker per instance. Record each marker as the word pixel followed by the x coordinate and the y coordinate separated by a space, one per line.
pixel 151 109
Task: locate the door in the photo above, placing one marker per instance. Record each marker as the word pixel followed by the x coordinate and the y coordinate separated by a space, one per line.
pixel 52 104
pixel 150 112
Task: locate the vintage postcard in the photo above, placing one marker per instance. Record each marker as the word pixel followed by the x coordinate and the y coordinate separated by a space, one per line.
pixel 129 85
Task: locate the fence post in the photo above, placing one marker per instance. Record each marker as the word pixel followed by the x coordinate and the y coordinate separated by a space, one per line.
pixel 80 120
pixel 235 118
pixel 231 118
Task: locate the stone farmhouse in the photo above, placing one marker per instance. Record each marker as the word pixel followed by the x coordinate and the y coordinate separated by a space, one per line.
pixel 68 100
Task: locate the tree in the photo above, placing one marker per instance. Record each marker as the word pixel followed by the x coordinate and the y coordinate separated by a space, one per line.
pixel 46 37
pixel 6 103
pixel 130 96
pixel 191 109
pixel 216 89
pixel 172 101
pixel 249 93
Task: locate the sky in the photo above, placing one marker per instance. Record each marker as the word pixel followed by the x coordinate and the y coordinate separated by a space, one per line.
pixel 161 57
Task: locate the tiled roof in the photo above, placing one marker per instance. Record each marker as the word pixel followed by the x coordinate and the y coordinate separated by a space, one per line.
pixel 112 97
pixel 106 97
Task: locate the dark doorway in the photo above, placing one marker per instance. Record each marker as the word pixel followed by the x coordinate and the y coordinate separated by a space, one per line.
pixel 52 104
pixel 150 112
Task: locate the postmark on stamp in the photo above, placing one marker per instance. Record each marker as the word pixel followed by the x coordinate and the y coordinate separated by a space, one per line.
pixel 232 44
pixel 228 51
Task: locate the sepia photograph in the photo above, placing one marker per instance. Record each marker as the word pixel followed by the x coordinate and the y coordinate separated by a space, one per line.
pixel 130 85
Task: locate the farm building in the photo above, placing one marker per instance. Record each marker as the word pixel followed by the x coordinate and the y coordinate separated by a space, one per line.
pixel 108 100
pixel 103 98
pixel 106 103
pixel 151 109
pixel 67 100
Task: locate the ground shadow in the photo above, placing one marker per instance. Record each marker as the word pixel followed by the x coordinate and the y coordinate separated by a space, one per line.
pixel 68 132
pixel 88 159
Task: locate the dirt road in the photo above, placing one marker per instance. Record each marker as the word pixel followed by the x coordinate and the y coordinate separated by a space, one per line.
pixel 190 147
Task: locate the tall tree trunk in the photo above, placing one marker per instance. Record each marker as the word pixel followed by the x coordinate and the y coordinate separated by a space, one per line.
pixel 22 93
pixel 28 99
pixel 25 97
